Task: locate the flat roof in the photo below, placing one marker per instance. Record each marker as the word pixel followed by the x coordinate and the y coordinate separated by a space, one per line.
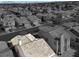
pixel 38 48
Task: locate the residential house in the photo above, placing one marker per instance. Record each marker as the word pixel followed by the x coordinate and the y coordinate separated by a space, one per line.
pixel 57 37
pixel 34 20
pixel 8 22
pixel 23 22
pixel 29 46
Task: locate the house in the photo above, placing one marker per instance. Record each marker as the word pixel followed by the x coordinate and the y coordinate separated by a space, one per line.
pixel 8 22
pixel 25 22
pixel 28 13
pixel 49 9
pixel 29 46
pixel 45 17
pixel 70 24
pixel 40 15
pixel 35 49
pixel 57 37
pixel 22 21
pixel 34 20
pixel 66 15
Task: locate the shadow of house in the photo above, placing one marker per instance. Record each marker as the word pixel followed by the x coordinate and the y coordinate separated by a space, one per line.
pixel 9 36
pixel 75 40
pixel 76 54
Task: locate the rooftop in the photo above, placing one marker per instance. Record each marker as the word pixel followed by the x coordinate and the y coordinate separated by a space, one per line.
pixel 35 49
pixel 31 46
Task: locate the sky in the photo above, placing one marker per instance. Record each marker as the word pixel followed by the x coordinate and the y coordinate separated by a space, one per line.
pixel 31 1
pixel 24 1
pixel 27 0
